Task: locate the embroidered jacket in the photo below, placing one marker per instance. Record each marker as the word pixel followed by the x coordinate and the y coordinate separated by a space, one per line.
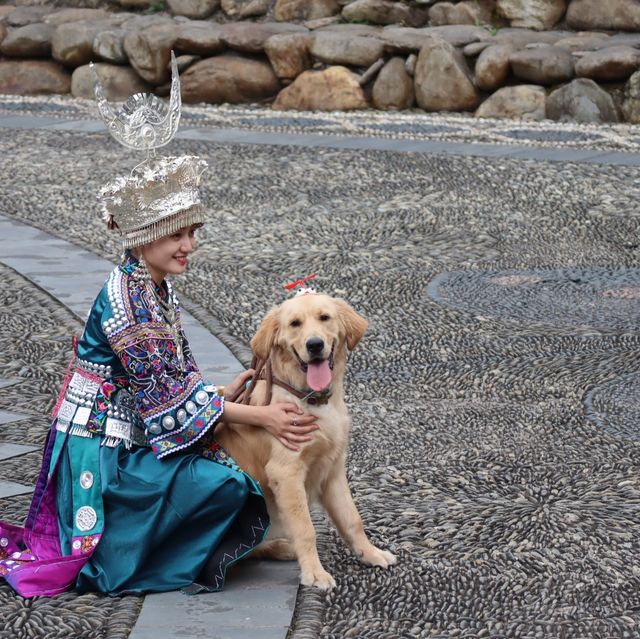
pixel 146 382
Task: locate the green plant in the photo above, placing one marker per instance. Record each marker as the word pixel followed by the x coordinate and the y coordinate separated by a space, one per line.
pixel 156 7
pixel 491 28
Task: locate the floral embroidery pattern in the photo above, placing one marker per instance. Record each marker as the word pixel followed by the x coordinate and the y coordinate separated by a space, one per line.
pixel 213 451
pixel 193 431
pixel 160 383
pixel 104 401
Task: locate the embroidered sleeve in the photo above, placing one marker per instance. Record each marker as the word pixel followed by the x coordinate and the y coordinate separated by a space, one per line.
pixel 173 401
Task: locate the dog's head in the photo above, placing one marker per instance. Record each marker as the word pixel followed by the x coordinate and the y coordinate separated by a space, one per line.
pixel 309 332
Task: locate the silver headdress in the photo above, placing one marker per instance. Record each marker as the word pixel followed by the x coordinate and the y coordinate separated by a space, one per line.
pixel 160 196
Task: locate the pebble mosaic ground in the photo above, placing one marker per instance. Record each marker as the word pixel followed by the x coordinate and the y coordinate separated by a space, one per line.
pixel 495 443
pixel 410 125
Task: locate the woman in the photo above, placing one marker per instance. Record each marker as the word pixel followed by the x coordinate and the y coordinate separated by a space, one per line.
pixel 134 494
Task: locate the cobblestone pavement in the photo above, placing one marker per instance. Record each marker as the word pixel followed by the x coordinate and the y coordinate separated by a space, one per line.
pixel 495 442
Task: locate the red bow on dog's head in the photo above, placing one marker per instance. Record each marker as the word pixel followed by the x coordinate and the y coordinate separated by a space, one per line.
pixel 303 290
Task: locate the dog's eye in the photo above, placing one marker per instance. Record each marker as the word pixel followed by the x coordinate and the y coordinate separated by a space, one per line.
pixel 295 323
pixel 324 317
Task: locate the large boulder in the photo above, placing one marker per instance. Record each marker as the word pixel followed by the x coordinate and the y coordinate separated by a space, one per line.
pixel 581 101
pixel 199 38
pixel 524 102
pixel 584 41
pixel 492 67
pixel 289 54
pixel 250 37
pixel 5 10
pixel 31 77
pixel 72 42
pixel 352 29
pixel 542 65
pixel 631 103
pixel 393 88
pixel 109 45
pixel 521 38
pixel 23 15
pixel 334 89
pixel 138 23
pixel 149 52
pixel 30 41
pixel 532 14
pixel 229 78
pixel 610 64
pixel 459 35
pixel 245 8
pixel 288 10
pixel 384 12
pixel 358 51
pixel 474 49
pixel 465 12
pixel 74 15
pixel 628 39
pixel 604 14
pixel 442 79
pixel 398 43
pixel 193 8
pixel 3 31
pixel 118 82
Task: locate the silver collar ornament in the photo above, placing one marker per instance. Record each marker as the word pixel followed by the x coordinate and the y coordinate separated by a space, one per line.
pixel 160 196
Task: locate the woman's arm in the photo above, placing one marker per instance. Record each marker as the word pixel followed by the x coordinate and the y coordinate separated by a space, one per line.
pixel 286 422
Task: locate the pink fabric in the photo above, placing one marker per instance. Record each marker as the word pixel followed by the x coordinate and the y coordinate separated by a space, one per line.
pixel 30 557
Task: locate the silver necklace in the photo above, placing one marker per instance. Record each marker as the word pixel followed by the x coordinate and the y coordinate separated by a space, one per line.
pixel 168 312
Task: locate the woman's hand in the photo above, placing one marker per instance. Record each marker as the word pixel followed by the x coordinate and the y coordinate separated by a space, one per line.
pixel 238 383
pixel 289 424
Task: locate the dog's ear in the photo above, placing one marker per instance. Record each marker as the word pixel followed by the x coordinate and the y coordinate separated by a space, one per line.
pixel 265 337
pixel 354 324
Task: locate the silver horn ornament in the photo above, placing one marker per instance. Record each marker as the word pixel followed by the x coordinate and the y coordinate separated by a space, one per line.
pixel 144 122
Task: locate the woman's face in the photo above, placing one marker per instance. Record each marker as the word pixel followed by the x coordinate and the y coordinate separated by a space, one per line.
pixel 170 254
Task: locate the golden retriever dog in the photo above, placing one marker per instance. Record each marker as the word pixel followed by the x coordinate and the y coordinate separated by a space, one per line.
pixel 305 342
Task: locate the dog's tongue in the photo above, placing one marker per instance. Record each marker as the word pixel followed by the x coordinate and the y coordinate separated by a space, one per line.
pixel 318 375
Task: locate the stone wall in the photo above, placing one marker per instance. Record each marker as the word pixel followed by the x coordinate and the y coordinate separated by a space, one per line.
pixel 563 59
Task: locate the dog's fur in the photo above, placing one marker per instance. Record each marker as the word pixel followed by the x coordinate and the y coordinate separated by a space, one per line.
pixel 292 480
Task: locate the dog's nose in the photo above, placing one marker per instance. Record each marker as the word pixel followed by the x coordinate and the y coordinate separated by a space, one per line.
pixel 315 346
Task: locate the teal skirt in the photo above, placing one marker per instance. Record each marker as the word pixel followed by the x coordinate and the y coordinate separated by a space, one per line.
pixel 169 524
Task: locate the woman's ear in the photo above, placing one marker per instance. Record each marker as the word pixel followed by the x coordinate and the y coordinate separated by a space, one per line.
pixel 354 324
pixel 265 337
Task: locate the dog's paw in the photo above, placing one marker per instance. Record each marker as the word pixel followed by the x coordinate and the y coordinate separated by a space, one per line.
pixel 381 558
pixel 318 579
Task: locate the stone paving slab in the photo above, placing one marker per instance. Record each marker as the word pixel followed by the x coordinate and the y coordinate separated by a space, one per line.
pixel 250 605
pixel 14 450
pixel 26 122
pixel 406 145
pixel 10 489
pixel 87 126
pixel 6 417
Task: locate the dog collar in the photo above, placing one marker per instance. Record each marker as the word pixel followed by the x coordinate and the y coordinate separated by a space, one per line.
pixel 264 372
pixel 314 398
pixel 317 398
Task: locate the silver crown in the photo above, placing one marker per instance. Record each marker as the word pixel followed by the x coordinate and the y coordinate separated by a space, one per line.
pixel 160 196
